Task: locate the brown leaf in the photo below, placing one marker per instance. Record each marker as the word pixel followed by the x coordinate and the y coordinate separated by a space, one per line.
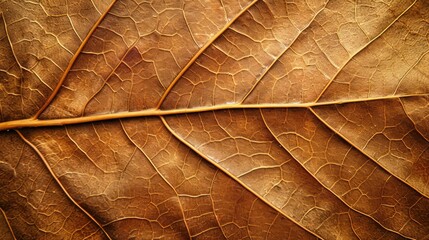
pixel 213 119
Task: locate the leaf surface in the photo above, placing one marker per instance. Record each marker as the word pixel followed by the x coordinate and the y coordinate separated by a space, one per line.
pixel 211 119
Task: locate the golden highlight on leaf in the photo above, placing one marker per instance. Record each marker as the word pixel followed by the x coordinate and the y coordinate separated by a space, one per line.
pixel 231 119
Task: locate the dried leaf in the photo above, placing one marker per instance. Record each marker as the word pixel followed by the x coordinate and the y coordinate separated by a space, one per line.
pixel 214 119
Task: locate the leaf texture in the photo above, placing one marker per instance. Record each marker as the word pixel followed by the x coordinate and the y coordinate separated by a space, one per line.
pixel 232 119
